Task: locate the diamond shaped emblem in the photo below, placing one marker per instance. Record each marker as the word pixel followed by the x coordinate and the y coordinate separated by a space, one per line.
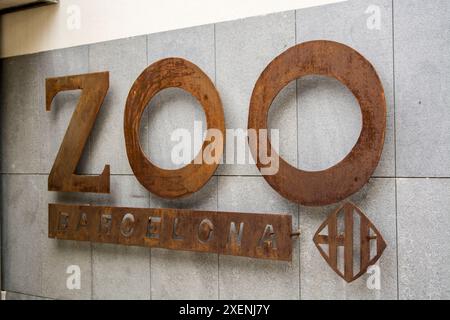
pixel 346 236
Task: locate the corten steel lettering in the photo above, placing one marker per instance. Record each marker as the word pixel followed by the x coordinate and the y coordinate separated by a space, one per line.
pixel 266 236
pixel 254 235
pixel 94 87
pixel 166 73
pixel 335 239
pixel 336 60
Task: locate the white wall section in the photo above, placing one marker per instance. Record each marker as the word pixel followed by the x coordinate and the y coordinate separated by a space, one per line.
pixel 78 22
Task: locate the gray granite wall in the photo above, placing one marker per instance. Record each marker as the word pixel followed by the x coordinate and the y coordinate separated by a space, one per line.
pixel 408 198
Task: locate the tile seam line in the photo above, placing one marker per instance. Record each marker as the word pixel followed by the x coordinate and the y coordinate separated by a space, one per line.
pixel 296 127
pixel 395 144
pixel 219 175
pixel 148 194
pixel 217 179
pixel 89 155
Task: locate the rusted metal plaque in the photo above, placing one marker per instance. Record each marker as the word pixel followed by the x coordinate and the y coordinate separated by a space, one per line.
pixel 327 58
pixel 266 236
pixel 371 243
pixel 166 73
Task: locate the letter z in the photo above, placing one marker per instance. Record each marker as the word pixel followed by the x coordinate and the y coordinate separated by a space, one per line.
pixel 62 177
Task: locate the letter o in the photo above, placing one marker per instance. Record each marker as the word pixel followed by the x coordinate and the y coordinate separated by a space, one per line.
pixel 127 225
pixel 205 230
pixel 166 73
pixel 353 70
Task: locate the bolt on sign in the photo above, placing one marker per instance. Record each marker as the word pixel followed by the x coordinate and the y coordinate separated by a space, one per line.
pixel 261 235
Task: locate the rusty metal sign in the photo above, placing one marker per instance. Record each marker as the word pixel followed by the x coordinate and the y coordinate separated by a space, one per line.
pixel 339 231
pixel 333 59
pixel 265 236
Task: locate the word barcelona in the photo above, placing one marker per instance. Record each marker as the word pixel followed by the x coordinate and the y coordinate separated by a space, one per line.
pixel 266 236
